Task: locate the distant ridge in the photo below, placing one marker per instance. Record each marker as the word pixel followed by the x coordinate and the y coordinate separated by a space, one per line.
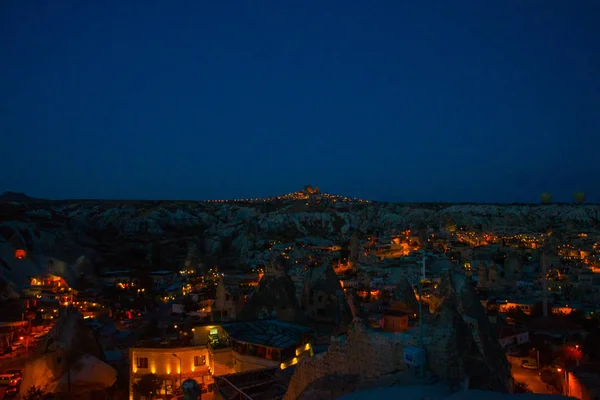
pixel 17 197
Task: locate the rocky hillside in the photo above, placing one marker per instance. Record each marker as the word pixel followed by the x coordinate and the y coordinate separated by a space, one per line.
pixel 117 234
pixel 70 359
pixel 458 340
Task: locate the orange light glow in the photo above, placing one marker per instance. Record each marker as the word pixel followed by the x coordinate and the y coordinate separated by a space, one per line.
pixel 20 254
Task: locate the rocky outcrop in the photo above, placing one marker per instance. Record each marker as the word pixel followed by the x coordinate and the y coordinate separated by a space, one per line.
pixel 458 339
pixel 193 261
pixel 452 353
pixel 323 299
pixel 330 387
pixel 460 293
pixel 354 303
pixel 404 297
pixel 70 358
pixel 120 231
pixel 363 353
pixel 440 392
pixel 275 297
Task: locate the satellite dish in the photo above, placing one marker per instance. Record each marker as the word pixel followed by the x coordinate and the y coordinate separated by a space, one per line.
pixel 546 198
pixel 579 197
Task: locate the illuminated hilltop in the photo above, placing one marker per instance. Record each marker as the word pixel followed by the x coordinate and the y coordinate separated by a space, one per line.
pixel 308 193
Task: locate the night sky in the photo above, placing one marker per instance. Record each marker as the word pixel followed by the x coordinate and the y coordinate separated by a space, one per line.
pixel 483 101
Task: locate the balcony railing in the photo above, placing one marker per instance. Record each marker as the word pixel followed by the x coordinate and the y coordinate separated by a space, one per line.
pixel 218 344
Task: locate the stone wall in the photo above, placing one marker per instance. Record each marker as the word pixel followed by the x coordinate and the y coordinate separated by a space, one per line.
pixel 362 352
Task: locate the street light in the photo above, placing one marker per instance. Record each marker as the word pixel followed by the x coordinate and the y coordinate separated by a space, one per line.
pixel 177 357
pixel 566 380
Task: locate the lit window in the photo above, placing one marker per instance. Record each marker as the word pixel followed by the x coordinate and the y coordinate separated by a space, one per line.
pixel 141 362
pixel 199 361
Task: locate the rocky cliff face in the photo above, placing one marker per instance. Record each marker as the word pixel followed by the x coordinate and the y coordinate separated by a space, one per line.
pixel 458 339
pixel 455 288
pixel 118 233
pixel 404 297
pixel 362 353
pixel 275 297
pixel 323 299
pixel 69 359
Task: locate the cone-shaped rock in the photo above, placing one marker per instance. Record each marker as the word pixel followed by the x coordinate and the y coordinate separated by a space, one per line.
pixel 275 297
pixel 323 298
pixel 404 296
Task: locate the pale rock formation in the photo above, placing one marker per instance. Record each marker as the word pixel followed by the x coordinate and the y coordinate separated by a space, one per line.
pixel 458 339
pixel 70 346
pixel 455 286
pixel 354 304
pixel 275 297
pixel 362 352
pixel 86 375
pixel 323 299
pixel 404 297
pixel 439 392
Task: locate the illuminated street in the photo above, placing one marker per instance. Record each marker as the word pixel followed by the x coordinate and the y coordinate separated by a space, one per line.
pixel 528 376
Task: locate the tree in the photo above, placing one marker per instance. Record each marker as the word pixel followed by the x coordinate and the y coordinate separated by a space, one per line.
pixel 36 393
pixel 148 386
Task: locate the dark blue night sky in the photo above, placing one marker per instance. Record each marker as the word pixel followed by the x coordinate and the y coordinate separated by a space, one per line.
pixel 386 100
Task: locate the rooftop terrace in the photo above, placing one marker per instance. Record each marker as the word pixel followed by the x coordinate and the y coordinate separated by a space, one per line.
pixel 269 333
pixel 264 384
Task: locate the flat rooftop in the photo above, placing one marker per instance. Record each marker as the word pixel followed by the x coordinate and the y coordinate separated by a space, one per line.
pixel 160 273
pixel 268 332
pixel 116 273
pixel 263 384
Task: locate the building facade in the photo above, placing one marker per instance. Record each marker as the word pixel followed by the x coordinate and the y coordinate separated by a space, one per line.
pixel 171 365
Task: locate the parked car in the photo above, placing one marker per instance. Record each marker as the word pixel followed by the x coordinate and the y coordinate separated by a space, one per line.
pixel 528 364
pixel 17 346
pixel 12 390
pixel 5 379
pixel 16 373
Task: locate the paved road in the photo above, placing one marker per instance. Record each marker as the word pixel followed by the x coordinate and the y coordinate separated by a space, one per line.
pixel 15 360
pixel 527 376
